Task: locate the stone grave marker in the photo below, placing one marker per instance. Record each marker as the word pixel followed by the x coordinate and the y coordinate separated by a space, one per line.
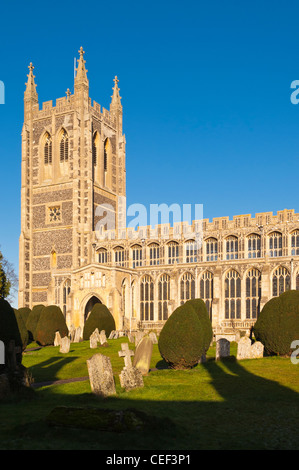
pixel 101 375
pixel 103 337
pixel 246 350
pixel 57 339
pixel 222 348
pixel 77 336
pixel 130 377
pixel 138 336
pixel 65 345
pixel 153 337
pixel 93 340
pixel 111 336
pixel 143 355
pixel 257 350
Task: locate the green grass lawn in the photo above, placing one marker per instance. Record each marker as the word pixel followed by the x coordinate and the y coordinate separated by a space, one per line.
pixel 249 404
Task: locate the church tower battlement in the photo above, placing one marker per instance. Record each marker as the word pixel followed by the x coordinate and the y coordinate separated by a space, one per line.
pixel 73 161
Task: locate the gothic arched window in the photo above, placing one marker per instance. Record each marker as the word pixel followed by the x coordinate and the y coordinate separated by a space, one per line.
pixel 211 249
pixel 147 299
pixel 163 296
pixel 64 147
pixel 173 252
pixel 191 247
pixel 48 149
pixel 232 294
pixel 232 247
pixel 154 254
pixel 253 293
pixel 281 281
pixel 206 291
pixel 137 255
pixel 295 242
pixel 254 246
pixel 275 244
pixel 187 287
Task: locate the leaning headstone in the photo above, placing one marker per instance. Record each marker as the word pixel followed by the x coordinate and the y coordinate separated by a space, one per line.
pixel 153 337
pixel 222 348
pixel 143 355
pixel 93 340
pixel 65 345
pixel 101 375
pixel 130 377
pixel 244 347
pixel 57 339
pixel 102 337
pixel 77 337
pixel 111 336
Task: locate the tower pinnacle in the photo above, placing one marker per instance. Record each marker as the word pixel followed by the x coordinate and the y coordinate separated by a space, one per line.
pixel 115 103
pixel 30 92
pixel 81 72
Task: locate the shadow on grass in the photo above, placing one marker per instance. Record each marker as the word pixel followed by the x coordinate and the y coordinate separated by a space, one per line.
pixel 250 412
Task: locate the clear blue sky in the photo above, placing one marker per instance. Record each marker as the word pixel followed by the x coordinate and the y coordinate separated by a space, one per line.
pixel 205 88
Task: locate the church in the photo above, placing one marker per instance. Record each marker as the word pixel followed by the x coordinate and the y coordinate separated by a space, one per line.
pixel 73 172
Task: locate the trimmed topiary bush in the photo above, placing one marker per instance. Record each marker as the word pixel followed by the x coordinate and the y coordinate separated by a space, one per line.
pixel 100 317
pixel 32 321
pixel 181 341
pixel 9 329
pixel 24 312
pixel 205 322
pixel 22 328
pixel 278 324
pixel 51 320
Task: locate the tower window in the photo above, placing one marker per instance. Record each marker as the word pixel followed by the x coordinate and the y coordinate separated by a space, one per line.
pixel 48 150
pixel 64 147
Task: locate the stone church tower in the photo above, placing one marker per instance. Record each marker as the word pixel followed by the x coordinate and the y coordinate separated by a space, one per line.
pixel 73 162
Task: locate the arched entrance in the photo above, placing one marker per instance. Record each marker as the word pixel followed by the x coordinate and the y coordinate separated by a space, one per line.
pixel 88 308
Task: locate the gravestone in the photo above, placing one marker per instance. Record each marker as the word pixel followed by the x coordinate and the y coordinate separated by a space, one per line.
pixel 244 346
pixel 111 336
pixel 246 350
pixel 65 345
pixel 222 348
pixel 153 337
pixel 102 337
pixel 131 338
pixel 93 340
pixel 257 350
pixel 57 339
pixel 138 336
pixel 130 377
pixel 72 331
pixel 77 336
pixel 143 355
pixel 101 375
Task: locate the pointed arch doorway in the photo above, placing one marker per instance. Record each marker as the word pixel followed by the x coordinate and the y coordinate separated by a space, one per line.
pixel 89 306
